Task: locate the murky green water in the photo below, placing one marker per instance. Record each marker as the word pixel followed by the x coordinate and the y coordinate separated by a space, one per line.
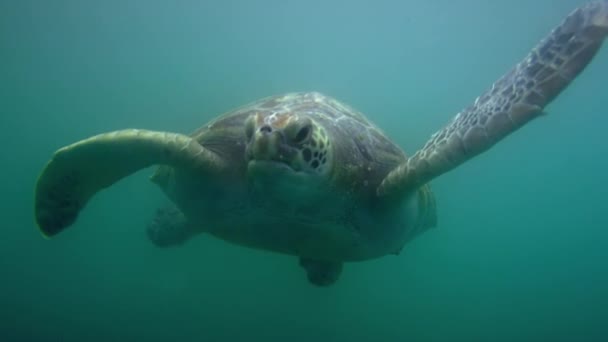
pixel 520 251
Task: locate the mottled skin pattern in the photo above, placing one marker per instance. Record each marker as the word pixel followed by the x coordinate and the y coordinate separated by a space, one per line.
pixel 512 101
pixel 304 174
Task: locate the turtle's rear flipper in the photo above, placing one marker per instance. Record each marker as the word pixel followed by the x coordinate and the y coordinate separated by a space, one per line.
pixel 170 227
pixel 512 101
pixel 76 172
pixel 321 273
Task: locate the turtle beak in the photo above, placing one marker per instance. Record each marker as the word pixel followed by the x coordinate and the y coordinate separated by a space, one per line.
pixel 265 145
pixel 269 144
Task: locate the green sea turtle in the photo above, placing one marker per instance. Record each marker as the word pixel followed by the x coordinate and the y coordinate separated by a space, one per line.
pixel 305 175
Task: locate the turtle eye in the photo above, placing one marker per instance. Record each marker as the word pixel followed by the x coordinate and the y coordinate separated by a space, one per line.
pixel 303 133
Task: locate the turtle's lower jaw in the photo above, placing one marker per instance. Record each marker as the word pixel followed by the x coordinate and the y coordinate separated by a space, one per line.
pixel 273 168
pixel 272 173
pixel 278 182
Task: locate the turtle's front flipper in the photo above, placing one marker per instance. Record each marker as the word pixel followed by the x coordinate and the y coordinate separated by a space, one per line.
pixel 321 273
pixel 515 99
pixel 76 172
pixel 170 227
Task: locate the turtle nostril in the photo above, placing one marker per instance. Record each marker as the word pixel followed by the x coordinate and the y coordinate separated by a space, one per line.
pixel 266 129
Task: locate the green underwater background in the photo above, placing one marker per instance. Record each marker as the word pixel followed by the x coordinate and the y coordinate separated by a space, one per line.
pixel 520 252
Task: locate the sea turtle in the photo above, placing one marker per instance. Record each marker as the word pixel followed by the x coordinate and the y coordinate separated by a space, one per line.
pixel 306 175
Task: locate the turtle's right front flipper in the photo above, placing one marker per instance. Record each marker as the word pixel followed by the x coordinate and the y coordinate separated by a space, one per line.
pixel 76 172
pixel 511 102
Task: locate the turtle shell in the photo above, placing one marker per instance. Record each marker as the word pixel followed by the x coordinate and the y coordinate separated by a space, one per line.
pixel 363 153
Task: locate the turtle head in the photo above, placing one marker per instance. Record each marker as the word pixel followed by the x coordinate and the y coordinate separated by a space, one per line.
pixel 289 157
pixel 288 141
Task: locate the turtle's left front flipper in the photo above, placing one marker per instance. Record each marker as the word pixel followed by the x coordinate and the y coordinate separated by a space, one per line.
pixel 511 102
